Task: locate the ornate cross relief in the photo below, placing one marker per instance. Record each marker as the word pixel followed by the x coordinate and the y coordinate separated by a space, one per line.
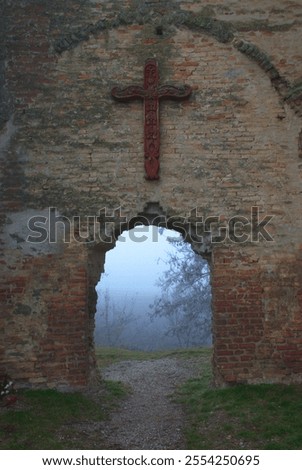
pixel 151 93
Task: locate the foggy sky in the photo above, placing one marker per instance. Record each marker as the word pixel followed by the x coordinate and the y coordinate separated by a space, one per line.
pixel 135 264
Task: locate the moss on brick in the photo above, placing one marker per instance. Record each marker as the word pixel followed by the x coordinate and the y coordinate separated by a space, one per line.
pixel 220 30
pixel 261 25
pixel 22 309
pixel 294 92
pixel 262 59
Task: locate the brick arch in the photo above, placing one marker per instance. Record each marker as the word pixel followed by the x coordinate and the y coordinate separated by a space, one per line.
pixel 231 147
pixel 222 31
pixel 152 214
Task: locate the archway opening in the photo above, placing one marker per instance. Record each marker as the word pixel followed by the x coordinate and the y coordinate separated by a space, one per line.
pixel 155 293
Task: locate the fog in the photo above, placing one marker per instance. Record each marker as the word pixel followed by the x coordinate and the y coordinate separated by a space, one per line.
pixel 129 287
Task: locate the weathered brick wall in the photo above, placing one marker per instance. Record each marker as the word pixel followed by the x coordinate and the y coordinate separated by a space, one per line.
pixel 234 145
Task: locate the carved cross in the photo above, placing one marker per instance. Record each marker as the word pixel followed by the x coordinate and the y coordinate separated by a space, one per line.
pixel 151 93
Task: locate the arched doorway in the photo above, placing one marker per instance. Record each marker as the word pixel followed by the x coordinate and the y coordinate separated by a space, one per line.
pixel 155 293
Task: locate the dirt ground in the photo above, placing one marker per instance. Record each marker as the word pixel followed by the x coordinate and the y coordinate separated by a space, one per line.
pixel 149 418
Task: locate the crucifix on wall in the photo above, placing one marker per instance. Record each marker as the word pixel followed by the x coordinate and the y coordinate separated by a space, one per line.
pixel 151 93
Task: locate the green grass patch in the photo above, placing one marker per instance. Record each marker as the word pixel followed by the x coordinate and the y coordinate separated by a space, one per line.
pixel 47 419
pixel 239 417
pixel 107 355
pixel 243 416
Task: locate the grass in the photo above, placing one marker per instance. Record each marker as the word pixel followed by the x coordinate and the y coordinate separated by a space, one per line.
pixel 107 355
pixel 239 417
pixel 243 416
pixel 47 419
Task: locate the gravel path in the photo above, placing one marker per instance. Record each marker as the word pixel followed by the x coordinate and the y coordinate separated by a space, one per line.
pixel 148 418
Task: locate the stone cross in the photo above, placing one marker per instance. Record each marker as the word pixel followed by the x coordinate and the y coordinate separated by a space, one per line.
pixel 151 93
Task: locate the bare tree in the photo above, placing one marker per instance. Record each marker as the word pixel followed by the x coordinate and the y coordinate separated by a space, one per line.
pixel 186 296
pixel 113 320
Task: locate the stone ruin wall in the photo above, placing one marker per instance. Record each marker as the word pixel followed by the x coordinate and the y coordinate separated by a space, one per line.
pixel 234 145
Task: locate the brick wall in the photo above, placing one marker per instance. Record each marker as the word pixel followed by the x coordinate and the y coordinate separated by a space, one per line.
pixel 234 145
